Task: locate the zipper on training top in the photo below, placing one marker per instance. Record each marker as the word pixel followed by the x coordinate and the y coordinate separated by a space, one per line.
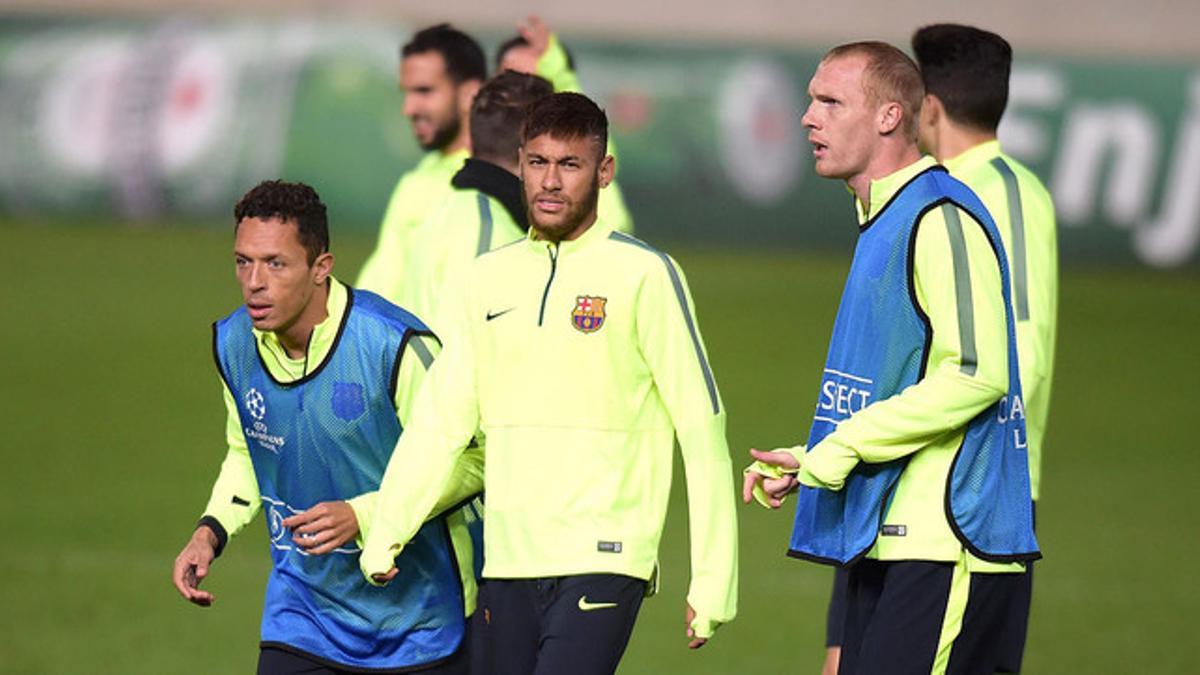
pixel 553 251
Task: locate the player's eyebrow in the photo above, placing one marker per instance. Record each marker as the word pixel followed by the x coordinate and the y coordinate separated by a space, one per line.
pixel 266 258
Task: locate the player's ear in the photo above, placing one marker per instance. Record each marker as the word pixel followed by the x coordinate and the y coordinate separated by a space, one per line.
pixel 890 116
pixel 931 111
pixel 466 95
pixel 607 170
pixel 322 267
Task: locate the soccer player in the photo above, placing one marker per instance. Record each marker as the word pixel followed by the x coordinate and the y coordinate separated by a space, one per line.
pixel 441 68
pixel 319 380
pixel 485 209
pixel 915 474
pixel 537 50
pixel 966 71
pixel 582 361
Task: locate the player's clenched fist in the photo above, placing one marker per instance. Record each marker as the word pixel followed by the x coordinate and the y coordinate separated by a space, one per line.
pixel 191 566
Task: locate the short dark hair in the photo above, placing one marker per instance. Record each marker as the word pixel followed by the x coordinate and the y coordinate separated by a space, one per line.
pixel 890 76
pixel 565 116
pixel 289 203
pixel 463 56
pixel 520 41
pixel 967 69
pixel 498 112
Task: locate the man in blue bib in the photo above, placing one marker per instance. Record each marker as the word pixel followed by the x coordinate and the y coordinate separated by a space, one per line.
pixel 915 473
pixel 318 381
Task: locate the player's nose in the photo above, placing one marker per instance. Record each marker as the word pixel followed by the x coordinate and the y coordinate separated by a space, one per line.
pixel 808 119
pixel 257 278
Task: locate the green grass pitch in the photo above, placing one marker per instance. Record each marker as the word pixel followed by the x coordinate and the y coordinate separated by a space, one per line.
pixel 113 434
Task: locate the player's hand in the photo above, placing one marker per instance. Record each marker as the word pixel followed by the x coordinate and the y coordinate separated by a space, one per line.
pixel 536 33
pixel 191 566
pixel 384 578
pixel 324 527
pixel 693 641
pixel 775 488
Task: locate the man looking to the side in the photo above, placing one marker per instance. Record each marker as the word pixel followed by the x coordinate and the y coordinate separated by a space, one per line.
pixel 441 68
pixel 915 474
pixel 319 381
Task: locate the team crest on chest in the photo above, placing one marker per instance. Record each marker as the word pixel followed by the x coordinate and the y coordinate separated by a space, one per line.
pixel 588 316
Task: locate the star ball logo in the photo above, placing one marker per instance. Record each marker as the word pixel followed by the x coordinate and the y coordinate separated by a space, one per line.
pixel 255 404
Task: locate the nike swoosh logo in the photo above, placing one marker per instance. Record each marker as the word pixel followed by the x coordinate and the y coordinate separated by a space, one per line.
pixel 493 315
pixel 585 606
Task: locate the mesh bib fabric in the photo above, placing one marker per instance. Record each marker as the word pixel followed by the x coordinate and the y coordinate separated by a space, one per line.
pixel 879 346
pixel 325 437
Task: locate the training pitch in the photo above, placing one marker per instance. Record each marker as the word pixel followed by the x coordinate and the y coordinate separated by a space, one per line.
pixel 114 432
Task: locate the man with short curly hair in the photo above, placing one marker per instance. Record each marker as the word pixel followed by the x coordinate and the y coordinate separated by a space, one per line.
pixel 318 381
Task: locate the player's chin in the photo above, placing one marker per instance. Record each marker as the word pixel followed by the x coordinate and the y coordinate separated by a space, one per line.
pixel 825 169
pixel 552 227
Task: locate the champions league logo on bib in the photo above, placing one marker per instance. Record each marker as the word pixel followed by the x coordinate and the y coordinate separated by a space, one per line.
pixel 255 404
pixel 256 407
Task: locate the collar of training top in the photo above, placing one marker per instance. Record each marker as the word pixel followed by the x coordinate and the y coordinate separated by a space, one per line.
pixel 494 182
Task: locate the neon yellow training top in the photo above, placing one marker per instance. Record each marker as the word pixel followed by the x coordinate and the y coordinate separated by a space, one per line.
pixel 417 194
pixel 1024 214
pixel 582 362
pixel 470 222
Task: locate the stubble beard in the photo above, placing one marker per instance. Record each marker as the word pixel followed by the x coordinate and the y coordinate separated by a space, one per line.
pixel 575 215
pixel 444 135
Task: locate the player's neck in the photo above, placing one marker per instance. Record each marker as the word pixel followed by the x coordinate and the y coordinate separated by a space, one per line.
pixel 954 140
pixel 890 158
pixel 460 143
pixel 295 338
pixel 509 165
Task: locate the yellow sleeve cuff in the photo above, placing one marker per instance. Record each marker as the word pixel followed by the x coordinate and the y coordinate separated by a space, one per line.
pixel 378 560
pixel 704 627
pixel 772 471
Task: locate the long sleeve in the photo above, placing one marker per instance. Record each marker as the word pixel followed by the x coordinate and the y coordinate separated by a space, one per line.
pixel 1036 335
pixel 670 341
pixel 466 479
pixel 556 68
pixel 234 500
pixel 417 195
pixel 957 283
pixel 444 418
pixel 383 272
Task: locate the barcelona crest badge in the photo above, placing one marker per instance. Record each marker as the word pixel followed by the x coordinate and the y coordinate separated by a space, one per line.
pixel 588 316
